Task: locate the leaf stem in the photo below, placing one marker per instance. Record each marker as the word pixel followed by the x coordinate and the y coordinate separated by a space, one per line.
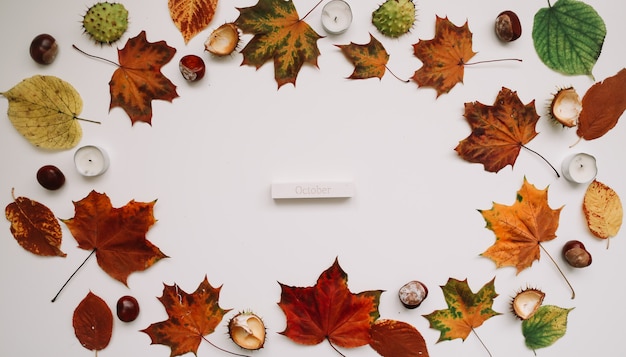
pixel 489 61
pixel 310 11
pixel 481 342
pixel 223 350
pixel 559 269
pixel 88 120
pixel 71 276
pixel 544 159
pixel 335 348
pixel 398 78
pixel 96 57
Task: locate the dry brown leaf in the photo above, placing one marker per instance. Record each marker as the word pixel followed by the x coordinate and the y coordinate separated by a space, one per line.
pixel 603 105
pixel 603 210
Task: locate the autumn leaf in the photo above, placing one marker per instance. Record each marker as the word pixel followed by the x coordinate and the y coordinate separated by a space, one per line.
pixel 444 57
pixel 568 36
pixel 191 16
pixel 279 35
pixel 117 235
pixel 190 317
pixel 391 338
pixel 603 105
pixel 499 131
pixel 93 323
pixel 370 60
pixel 521 228
pixel 329 311
pixel 545 327
pixel 466 310
pixel 45 109
pixel 138 80
pixel 603 210
pixel 35 227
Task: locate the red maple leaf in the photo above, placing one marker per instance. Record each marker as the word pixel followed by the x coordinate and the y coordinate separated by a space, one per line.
pixel 117 235
pixel 139 80
pixel 329 311
pixel 190 317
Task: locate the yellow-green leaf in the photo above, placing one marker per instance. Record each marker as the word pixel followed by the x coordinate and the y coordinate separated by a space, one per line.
pixel 44 110
pixel 545 327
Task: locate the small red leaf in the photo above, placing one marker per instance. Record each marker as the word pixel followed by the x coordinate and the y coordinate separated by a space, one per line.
pixel 392 338
pixel 93 322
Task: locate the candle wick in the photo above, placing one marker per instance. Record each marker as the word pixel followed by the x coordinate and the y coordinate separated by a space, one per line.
pixel 335 18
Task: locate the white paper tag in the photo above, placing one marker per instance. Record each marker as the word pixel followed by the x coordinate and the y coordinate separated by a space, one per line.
pixel 322 189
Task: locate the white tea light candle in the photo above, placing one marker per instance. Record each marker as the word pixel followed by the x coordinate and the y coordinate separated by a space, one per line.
pixel 91 160
pixel 336 17
pixel 579 168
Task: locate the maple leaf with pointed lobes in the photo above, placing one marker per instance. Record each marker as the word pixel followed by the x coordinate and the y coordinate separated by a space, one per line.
pixel 279 35
pixel 138 80
pixel 370 60
pixel 116 234
pixel 465 311
pixel 444 57
pixel 190 317
pixel 499 131
pixel 329 311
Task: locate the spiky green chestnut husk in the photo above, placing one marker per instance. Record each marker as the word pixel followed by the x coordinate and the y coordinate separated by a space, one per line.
pixel 106 22
pixel 394 17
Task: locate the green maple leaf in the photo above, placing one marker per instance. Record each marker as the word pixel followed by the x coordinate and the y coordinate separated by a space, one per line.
pixel 465 311
pixel 279 35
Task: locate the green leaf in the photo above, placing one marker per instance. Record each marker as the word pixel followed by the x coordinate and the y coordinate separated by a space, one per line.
pixel 545 327
pixel 568 36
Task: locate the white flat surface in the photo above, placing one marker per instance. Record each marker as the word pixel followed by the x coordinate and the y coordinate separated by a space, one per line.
pixel 210 156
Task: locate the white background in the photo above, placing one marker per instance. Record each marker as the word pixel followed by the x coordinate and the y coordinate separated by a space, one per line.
pixel 211 155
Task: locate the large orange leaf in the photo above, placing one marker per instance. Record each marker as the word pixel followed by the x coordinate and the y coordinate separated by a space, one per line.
pixel 118 235
pixel 521 227
pixel 93 323
pixel 191 16
pixel 280 36
pixel 603 105
pixel 190 317
pixel 499 131
pixel 138 80
pixel 466 309
pixel 444 57
pixel 35 227
pixel 370 60
pixel 329 311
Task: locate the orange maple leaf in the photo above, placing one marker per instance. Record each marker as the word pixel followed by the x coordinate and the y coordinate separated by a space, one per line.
pixel 370 60
pixel 279 35
pixel 465 311
pixel 139 80
pixel 117 235
pixel 498 131
pixel 521 228
pixel 190 317
pixel 191 16
pixel 329 311
pixel 444 57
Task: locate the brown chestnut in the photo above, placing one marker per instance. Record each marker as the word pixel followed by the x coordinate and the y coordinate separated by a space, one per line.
pixel 508 26
pixel 44 49
pixel 576 255
pixel 412 294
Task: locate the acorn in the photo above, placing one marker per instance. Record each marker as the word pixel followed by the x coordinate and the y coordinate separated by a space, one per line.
pixel 566 107
pixel 526 302
pixel 247 330
pixel 223 40
pixel 412 294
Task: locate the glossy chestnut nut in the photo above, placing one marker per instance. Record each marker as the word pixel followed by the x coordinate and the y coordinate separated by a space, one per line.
pixel 576 255
pixel 412 294
pixel 127 308
pixel 50 177
pixel 192 67
pixel 44 49
pixel 508 26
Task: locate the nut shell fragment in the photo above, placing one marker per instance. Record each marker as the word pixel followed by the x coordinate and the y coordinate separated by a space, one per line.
pixel 566 107
pixel 223 40
pixel 247 330
pixel 526 302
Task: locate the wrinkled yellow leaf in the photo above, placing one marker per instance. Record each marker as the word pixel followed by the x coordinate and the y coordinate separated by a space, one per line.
pixel 191 16
pixel 603 210
pixel 44 110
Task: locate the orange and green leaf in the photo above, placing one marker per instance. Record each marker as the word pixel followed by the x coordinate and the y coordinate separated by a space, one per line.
pixel 279 35
pixel 191 16
pixel 190 317
pixel 138 81
pixel 444 57
pixel 329 311
pixel 466 310
pixel 521 227
pixel 370 60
